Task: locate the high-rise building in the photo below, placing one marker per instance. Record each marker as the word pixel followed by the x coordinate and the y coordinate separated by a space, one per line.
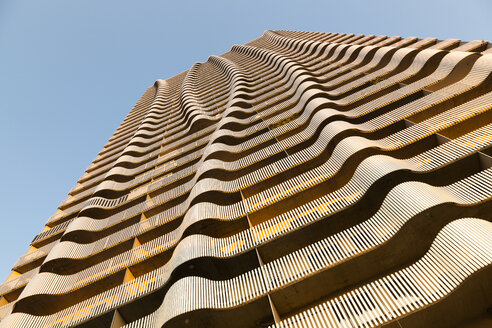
pixel 299 180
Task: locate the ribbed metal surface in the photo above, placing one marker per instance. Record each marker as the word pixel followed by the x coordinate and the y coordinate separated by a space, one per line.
pixel 300 180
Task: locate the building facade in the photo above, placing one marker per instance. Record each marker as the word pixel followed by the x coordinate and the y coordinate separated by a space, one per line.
pixel 299 180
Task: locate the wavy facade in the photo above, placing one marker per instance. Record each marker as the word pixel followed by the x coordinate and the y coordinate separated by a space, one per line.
pixel 299 180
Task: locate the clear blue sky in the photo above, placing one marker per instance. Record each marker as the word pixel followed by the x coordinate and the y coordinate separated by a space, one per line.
pixel 70 71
